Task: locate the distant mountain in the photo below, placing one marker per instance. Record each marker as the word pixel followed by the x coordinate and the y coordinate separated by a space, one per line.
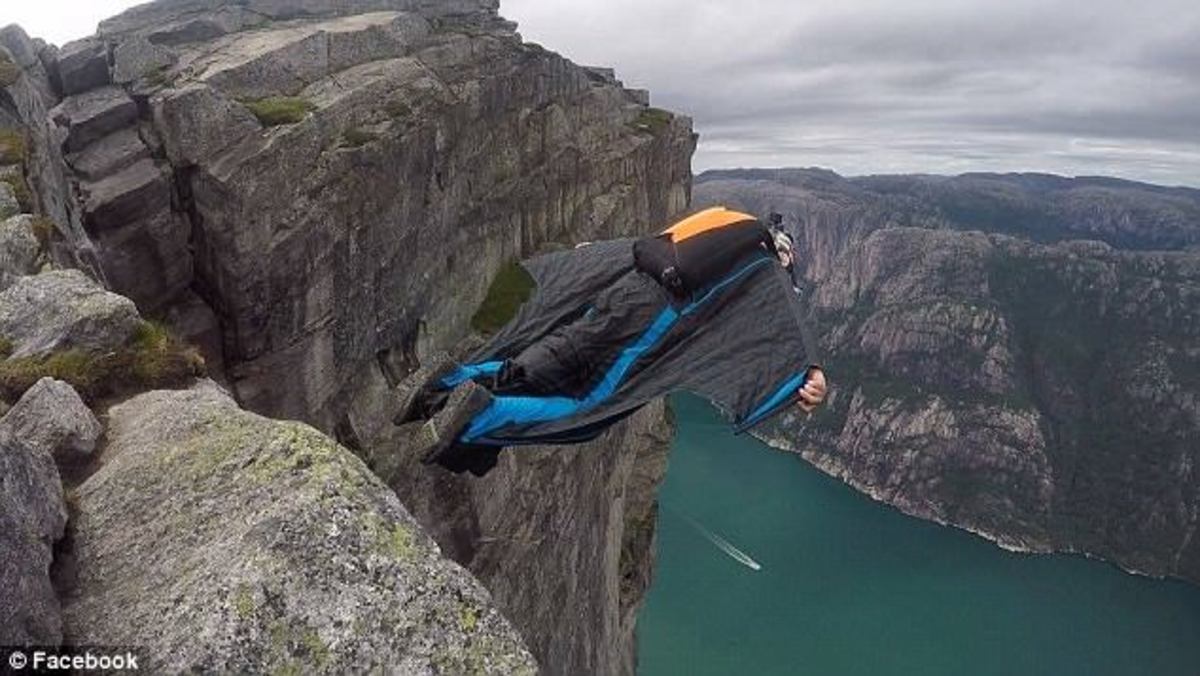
pixel 1015 354
pixel 1040 207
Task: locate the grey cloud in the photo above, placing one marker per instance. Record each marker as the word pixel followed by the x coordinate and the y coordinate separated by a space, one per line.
pixel 861 86
pixel 923 85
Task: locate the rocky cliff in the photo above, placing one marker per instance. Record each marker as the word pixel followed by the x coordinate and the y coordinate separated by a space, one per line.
pixel 318 194
pixel 209 538
pixel 1015 355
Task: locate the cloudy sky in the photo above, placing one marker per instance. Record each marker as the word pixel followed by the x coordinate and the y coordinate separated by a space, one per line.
pixel 871 86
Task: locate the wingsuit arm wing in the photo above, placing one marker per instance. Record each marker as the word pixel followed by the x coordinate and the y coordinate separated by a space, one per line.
pixel 753 358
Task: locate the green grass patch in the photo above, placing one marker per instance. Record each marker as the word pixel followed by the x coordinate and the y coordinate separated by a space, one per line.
pixel 653 120
pixel 13 149
pixel 155 358
pixel 511 287
pixel 356 138
pixel 9 71
pixel 6 348
pixel 278 110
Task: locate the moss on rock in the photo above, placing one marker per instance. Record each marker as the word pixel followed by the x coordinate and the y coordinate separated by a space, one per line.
pixel 279 110
pixel 356 138
pixel 511 287
pixel 13 148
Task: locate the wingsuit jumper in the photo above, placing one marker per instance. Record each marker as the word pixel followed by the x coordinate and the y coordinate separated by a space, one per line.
pixel 707 306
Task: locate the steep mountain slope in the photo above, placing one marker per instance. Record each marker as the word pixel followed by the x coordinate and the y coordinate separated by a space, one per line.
pixel 1041 389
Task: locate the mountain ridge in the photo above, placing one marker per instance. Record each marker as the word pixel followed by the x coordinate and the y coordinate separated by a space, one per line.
pixel 1041 391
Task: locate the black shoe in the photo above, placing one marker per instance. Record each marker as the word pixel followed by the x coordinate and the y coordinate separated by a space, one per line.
pixel 474 458
pixel 415 391
pixel 465 402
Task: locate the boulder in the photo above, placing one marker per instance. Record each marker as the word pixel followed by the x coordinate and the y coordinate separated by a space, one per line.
pixel 234 543
pixel 51 417
pixel 82 66
pixel 94 115
pixel 18 249
pixel 33 515
pixel 64 309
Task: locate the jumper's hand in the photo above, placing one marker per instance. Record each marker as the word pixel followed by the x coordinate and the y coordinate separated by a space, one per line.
pixel 813 392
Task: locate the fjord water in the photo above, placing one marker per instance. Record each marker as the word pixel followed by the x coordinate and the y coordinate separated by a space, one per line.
pixel 851 586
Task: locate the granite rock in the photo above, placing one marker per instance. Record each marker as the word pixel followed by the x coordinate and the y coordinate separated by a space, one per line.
pixel 19 249
pixel 89 117
pixel 52 418
pixel 83 66
pixel 271 549
pixel 33 516
pixel 9 206
pixel 61 310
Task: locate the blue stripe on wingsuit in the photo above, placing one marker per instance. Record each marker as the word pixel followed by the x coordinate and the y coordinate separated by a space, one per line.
pixel 749 267
pixel 785 392
pixel 505 411
pixel 523 410
pixel 464 373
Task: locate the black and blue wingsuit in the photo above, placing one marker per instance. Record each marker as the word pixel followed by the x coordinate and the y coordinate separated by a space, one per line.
pixel 704 307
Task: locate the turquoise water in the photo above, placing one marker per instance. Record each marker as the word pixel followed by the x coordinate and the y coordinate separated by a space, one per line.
pixel 850 586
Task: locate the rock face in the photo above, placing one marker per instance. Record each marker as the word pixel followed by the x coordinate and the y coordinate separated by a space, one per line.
pixel 1040 390
pixel 32 517
pixel 272 548
pixel 563 536
pixel 31 147
pixel 321 193
pixel 61 310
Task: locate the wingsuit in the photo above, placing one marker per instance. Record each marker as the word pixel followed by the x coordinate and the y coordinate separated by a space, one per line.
pixel 704 307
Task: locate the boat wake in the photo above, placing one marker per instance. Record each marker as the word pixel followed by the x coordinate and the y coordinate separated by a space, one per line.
pixel 722 544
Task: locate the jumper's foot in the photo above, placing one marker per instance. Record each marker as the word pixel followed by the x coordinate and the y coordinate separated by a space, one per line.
pixel 440 433
pixel 413 391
